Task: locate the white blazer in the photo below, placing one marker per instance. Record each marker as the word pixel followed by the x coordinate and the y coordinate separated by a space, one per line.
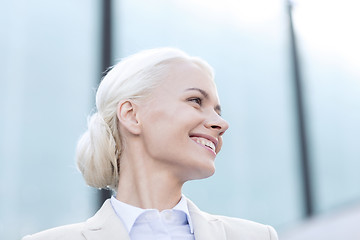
pixel 105 224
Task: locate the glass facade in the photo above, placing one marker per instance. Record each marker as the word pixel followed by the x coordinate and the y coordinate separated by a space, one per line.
pixel 50 64
pixel 48 72
pixel 330 62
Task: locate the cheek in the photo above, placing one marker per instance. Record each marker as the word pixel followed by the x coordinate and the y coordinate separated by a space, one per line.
pixel 158 125
pixel 169 121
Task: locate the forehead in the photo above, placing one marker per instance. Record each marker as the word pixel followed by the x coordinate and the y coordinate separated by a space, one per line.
pixel 183 75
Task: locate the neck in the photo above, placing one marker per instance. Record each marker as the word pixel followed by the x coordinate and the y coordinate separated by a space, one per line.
pixel 144 184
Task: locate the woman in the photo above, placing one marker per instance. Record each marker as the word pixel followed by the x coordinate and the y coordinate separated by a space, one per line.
pixel 158 124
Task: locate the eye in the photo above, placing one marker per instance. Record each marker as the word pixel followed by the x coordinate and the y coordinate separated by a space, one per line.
pixel 196 100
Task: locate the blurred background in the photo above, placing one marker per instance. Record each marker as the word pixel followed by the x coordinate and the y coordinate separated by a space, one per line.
pixel 288 75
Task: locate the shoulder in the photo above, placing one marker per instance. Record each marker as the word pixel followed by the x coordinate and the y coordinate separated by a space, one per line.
pixel 68 232
pixel 237 227
pixel 233 228
pixel 103 224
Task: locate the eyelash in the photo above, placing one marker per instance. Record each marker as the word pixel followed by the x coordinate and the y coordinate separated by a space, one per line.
pixel 196 100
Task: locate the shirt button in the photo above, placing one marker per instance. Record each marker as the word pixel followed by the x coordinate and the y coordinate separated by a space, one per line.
pixel 167 216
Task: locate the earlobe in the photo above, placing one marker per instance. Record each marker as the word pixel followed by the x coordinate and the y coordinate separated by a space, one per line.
pixel 126 113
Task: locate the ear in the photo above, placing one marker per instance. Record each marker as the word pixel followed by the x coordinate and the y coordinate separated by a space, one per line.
pixel 126 113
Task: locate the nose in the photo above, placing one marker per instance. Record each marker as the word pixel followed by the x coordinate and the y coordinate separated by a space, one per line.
pixel 216 122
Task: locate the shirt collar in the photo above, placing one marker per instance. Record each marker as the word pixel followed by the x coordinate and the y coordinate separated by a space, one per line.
pixel 182 206
pixel 128 213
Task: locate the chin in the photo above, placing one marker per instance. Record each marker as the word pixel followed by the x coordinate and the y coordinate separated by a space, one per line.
pixel 203 173
pixel 210 173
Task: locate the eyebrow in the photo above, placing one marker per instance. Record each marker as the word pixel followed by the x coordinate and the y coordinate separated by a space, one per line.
pixel 206 95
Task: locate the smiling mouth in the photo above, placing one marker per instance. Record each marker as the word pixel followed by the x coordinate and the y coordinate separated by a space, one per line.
pixel 205 142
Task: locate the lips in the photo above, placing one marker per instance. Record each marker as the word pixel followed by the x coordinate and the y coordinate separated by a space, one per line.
pixel 206 141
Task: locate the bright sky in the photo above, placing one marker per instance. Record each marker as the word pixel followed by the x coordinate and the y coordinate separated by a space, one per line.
pixel 330 28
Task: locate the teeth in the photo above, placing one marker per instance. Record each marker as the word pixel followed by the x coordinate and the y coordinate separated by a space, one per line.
pixel 206 143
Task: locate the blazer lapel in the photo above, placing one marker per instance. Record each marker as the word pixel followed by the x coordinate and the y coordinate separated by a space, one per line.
pixel 206 226
pixel 105 224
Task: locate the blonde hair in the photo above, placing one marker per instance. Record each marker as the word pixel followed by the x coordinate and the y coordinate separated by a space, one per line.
pixel 99 149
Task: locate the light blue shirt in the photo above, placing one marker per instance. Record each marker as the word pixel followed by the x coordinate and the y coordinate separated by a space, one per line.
pixel 150 224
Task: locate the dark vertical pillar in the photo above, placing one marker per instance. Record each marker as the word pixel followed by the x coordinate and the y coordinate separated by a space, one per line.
pixel 106 34
pixel 301 119
pixel 106 59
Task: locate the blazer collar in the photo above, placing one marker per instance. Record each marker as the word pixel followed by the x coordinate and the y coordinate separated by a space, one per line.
pixel 206 226
pixel 105 224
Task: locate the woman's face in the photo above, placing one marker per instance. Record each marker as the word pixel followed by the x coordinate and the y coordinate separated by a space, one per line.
pixel 181 123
